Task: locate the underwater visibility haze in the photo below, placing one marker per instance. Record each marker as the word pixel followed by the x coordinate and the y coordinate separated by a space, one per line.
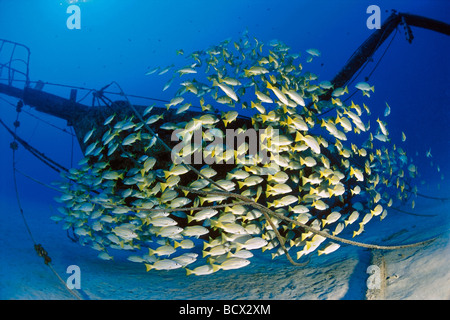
pixel 207 147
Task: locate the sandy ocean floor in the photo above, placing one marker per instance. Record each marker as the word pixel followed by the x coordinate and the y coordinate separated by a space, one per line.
pixel 416 273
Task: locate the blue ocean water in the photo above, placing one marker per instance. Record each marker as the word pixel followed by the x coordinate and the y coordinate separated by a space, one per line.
pixel 120 40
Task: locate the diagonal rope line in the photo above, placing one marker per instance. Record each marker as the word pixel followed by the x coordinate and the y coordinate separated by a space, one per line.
pixel 38 247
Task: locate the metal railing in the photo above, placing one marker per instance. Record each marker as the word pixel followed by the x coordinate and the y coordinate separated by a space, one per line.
pixel 14 62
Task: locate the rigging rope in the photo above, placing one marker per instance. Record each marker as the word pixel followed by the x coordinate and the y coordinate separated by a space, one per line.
pixel 431 197
pixel 413 214
pixel 88 89
pixel 367 61
pixel 49 162
pixel 36 117
pixel 38 247
pixel 361 69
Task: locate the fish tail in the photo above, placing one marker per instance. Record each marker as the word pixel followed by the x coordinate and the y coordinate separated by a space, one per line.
pixel 352 171
pixel 305 180
pixel 308 245
pixel 330 191
pixel 299 137
pixel 289 119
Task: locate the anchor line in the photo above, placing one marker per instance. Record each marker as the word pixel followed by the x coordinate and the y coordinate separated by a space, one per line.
pixel 38 247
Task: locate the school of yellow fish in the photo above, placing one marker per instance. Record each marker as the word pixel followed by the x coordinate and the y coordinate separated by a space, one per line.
pixel 320 178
